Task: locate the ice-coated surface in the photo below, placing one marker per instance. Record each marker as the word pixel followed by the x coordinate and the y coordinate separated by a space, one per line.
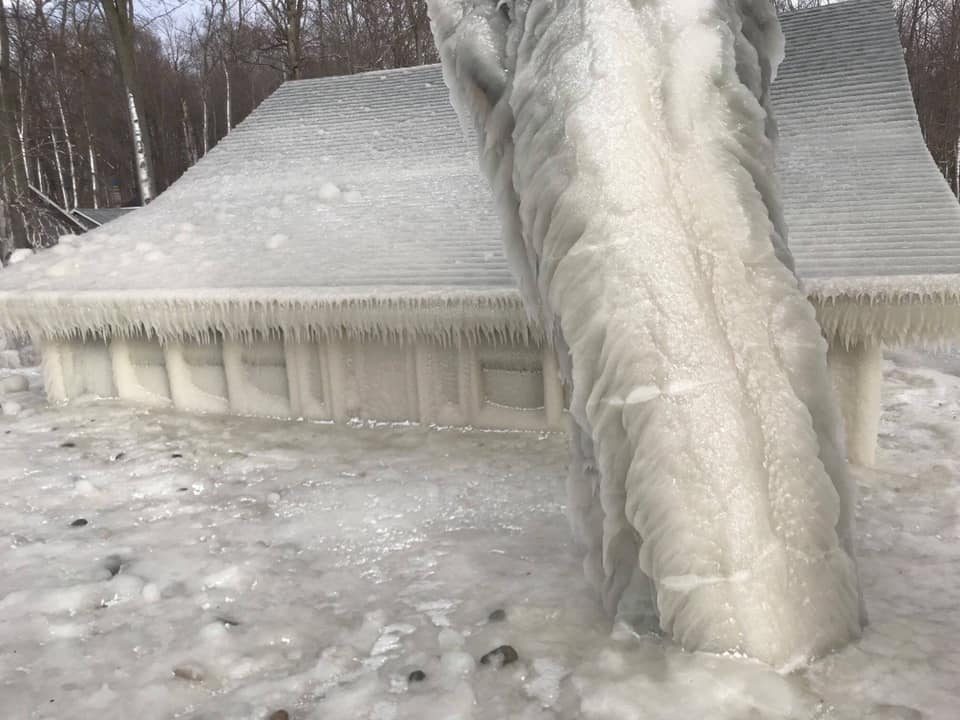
pixel 632 142
pixel 348 558
pixel 369 183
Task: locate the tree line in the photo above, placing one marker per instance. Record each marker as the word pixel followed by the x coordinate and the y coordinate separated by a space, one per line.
pixel 107 102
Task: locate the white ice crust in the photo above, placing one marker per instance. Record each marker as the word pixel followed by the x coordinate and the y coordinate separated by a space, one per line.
pixel 630 148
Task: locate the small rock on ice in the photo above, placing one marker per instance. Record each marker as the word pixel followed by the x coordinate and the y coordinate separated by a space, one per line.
pixel 189 671
pixel 503 655
pixel 10 408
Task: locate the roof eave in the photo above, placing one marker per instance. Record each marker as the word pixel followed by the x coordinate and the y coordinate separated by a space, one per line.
pixel 295 313
pixel 915 310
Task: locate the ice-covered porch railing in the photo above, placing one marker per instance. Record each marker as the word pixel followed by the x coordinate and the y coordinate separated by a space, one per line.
pixel 504 384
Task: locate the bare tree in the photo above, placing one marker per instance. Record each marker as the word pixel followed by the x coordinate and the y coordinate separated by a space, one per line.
pixel 120 18
pixel 286 21
pixel 13 183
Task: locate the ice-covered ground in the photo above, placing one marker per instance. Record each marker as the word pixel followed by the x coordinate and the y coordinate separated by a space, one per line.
pixel 231 567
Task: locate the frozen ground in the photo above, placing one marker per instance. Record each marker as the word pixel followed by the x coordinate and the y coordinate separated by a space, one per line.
pixel 232 567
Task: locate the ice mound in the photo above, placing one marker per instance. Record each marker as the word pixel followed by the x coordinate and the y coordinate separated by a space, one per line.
pixel 630 149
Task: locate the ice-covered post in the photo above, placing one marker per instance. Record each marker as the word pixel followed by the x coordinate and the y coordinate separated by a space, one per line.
pixel 630 149
pixel 857 378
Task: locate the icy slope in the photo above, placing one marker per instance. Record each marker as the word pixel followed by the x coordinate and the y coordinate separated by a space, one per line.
pixel 312 568
pixel 631 144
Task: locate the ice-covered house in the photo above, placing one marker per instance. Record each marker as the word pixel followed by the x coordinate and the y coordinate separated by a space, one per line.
pixel 338 255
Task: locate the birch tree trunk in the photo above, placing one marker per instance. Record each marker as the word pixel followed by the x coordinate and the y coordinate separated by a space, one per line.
pixel 206 120
pixel 188 142
pixel 22 131
pixel 13 183
pixel 119 15
pixel 93 173
pixel 227 102
pixel 70 161
pixel 59 166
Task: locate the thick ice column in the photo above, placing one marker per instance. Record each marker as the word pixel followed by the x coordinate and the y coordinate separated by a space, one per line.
pixel 75 368
pixel 146 384
pixel 52 361
pixel 857 378
pixel 635 142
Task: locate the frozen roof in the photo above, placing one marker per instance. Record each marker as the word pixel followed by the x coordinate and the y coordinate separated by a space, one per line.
pixel 354 202
pixel 101 216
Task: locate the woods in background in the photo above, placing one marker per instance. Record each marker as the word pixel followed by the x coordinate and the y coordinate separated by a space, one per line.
pixel 107 102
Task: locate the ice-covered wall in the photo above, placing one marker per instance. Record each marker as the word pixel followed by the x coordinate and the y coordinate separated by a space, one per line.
pixel 430 380
pixel 633 142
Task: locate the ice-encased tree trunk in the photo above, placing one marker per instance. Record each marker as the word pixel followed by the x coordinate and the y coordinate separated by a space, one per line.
pixel 629 147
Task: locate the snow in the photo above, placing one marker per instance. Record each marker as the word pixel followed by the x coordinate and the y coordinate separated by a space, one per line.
pixel 633 145
pixel 13 383
pixel 313 568
pixel 276 241
pixel 846 117
pixel 19 255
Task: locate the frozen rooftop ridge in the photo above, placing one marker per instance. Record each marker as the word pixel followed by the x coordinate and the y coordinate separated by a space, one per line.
pixel 354 205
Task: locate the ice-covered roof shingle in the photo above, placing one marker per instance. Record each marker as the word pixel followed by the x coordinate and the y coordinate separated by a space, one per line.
pixel 355 203
pixel 101 216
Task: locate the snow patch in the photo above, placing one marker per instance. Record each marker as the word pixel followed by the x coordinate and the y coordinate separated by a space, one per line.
pixel 275 241
pixel 328 192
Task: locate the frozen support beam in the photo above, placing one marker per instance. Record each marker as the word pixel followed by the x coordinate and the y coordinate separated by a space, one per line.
pixel 552 390
pixel 140 382
pixel 74 369
pixel 53 372
pixel 857 377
